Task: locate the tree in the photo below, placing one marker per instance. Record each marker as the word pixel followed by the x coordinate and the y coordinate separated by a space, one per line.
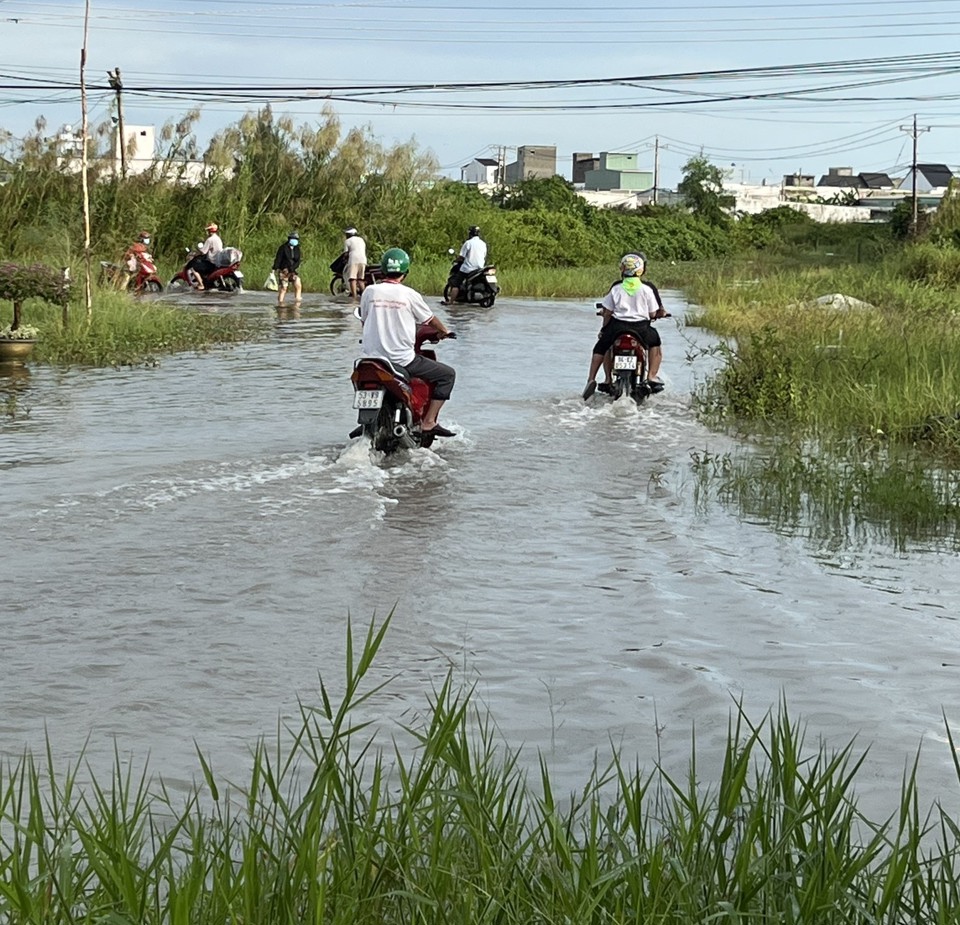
pixel 702 191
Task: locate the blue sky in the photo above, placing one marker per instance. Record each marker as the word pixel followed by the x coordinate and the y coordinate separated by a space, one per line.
pixel 758 126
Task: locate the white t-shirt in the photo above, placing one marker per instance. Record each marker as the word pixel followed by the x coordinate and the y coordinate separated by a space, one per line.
pixel 211 247
pixel 391 314
pixel 474 253
pixel 356 249
pixel 636 302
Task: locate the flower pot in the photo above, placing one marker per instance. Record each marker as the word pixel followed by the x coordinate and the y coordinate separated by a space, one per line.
pixel 15 350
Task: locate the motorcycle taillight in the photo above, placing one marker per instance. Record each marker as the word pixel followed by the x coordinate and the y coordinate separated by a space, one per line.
pixel 626 342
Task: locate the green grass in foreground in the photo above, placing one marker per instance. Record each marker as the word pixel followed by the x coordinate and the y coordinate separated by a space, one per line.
pixel 332 828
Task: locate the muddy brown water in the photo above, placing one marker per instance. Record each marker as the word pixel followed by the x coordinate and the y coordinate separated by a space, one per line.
pixel 183 546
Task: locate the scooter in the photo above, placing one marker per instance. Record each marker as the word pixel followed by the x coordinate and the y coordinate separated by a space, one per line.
pixel 390 403
pixel 629 358
pixel 225 277
pixel 480 287
pixel 140 273
pixel 338 286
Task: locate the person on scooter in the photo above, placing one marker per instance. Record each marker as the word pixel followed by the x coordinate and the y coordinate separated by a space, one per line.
pixel 473 256
pixel 607 385
pixel 391 313
pixel 130 263
pixel 355 265
pixel 205 262
pixel 628 307
pixel 287 265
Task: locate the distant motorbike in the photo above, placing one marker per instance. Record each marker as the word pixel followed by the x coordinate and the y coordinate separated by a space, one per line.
pixel 479 288
pixel 338 285
pixel 225 277
pixel 390 403
pixel 630 368
pixel 137 275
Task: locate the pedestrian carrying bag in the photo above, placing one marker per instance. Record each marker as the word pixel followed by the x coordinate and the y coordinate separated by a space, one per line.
pixel 271 282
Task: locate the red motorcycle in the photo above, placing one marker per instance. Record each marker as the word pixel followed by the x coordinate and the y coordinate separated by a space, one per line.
pixel 390 403
pixel 226 276
pixel 138 274
pixel 629 358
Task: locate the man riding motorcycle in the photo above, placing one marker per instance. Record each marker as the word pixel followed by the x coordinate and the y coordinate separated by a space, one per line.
pixel 391 313
pixel 628 307
pixel 473 256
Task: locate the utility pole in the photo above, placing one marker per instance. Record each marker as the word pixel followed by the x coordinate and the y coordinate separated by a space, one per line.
pixel 84 179
pixel 117 84
pixel 915 132
pixel 656 166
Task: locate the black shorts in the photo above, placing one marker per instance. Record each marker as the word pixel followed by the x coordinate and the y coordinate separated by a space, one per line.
pixel 645 332
pixel 441 375
pixel 459 279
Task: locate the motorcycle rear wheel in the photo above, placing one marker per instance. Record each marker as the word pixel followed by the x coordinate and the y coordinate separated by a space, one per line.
pixel 381 433
pixel 338 286
pixel 151 285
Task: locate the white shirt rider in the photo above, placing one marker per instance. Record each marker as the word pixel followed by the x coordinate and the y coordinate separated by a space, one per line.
pixel 212 247
pixel 630 300
pixel 356 249
pixel 474 253
pixel 391 313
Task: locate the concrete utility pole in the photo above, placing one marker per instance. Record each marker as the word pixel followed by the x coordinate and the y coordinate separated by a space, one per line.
pixel 84 179
pixel 915 132
pixel 656 166
pixel 117 84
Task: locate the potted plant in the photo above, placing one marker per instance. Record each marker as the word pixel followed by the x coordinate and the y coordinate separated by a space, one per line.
pixel 16 343
pixel 17 284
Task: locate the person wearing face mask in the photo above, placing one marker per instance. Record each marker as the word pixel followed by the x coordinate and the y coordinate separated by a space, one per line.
pixel 287 267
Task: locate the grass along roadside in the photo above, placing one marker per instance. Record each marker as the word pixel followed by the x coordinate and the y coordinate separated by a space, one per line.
pixel 883 372
pixel 123 330
pixel 331 827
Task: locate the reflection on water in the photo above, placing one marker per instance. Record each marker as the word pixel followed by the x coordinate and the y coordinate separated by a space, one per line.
pixel 185 545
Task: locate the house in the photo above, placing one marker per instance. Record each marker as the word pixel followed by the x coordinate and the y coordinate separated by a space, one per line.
pixel 582 162
pixel 618 172
pixel 481 171
pixel 534 162
pixel 929 177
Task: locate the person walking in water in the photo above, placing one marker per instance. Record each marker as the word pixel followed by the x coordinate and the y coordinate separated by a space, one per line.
pixel 355 249
pixel 287 267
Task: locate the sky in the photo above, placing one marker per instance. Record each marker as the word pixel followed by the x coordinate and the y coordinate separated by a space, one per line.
pixel 761 89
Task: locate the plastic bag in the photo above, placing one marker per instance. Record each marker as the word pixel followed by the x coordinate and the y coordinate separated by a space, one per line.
pixel 271 282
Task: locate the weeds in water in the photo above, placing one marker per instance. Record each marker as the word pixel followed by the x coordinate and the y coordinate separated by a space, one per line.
pixel 842 497
pixel 332 828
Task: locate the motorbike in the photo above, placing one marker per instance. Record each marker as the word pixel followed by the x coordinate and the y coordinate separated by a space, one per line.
pixel 338 286
pixel 479 288
pixel 390 404
pixel 226 276
pixel 139 275
pixel 629 358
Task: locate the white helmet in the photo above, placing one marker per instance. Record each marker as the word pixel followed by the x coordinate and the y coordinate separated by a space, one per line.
pixel 631 265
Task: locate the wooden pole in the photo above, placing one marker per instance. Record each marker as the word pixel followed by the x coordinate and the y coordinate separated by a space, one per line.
pixel 84 178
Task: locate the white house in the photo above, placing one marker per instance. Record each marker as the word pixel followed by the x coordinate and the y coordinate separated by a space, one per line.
pixel 481 171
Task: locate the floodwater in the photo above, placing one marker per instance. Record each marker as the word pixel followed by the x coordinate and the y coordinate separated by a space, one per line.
pixel 184 545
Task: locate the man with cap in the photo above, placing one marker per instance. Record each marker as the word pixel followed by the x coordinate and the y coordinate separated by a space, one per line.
pixel 355 249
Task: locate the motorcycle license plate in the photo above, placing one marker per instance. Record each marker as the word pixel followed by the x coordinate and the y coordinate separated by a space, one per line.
pixel 492 278
pixel 238 274
pixel 368 398
pixel 625 361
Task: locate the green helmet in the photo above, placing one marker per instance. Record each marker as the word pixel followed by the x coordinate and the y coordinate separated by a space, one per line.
pixel 394 262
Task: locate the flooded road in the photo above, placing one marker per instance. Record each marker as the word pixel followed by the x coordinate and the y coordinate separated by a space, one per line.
pixel 183 547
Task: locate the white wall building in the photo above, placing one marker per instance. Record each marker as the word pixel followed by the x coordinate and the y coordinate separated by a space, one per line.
pixel 481 171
